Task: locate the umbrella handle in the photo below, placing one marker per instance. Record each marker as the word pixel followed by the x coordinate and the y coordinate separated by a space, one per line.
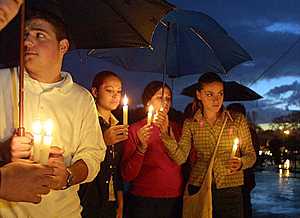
pixel 21 129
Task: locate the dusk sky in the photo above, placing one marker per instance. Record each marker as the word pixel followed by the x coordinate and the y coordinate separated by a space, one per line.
pixel 269 30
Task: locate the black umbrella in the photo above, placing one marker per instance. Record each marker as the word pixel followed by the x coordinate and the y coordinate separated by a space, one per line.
pixel 95 23
pixel 91 24
pixel 233 91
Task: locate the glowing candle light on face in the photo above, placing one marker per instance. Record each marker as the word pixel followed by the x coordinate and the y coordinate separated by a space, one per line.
pixel 234 147
pixel 125 110
pixel 150 114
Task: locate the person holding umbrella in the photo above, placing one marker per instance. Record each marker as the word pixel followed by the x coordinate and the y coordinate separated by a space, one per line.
pixel 52 94
pixel 222 142
pixel 155 180
pixel 104 196
pixel 20 181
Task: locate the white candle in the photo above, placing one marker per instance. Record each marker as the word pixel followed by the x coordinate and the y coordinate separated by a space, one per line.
pixel 36 130
pixel 125 110
pixel 48 127
pixel 234 147
pixel 47 142
pixel 150 114
pixel 44 154
pixel 37 139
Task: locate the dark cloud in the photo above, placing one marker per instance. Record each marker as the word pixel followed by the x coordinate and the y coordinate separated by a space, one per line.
pixel 294 99
pixel 280 90
pixel 287 94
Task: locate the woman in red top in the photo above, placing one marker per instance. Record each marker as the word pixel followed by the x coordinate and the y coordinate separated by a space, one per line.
pixel 155 180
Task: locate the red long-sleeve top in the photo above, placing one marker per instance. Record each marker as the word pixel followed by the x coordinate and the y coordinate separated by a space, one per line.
pixel 152 174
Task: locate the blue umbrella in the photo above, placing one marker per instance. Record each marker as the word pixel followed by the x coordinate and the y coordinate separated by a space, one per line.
pixel 184 43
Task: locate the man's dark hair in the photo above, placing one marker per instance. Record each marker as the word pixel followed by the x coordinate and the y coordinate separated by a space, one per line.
pixel 56 21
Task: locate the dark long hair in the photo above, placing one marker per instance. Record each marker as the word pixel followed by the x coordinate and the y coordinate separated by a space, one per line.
pixel 205 78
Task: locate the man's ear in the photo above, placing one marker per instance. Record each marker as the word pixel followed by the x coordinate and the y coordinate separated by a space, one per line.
pixel 64 46
pixel 94 92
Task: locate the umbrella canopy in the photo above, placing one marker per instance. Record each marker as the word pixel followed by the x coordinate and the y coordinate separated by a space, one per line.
pixel 185 42
pixel 233 91
pixel 95 23
pixel 91 24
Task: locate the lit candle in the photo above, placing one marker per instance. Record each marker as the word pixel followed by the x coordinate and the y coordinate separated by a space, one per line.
pixel 37 129
pixel 47 141
pixel 150 114
pixel 48 128
pixel 234 147
pixel 37 139
pixel 125 110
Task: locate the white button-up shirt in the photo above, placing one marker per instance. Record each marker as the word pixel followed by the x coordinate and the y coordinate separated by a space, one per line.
pixel 76 130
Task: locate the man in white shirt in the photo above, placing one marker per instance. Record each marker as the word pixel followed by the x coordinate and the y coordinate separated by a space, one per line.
pixel 20 181
pixel 51 94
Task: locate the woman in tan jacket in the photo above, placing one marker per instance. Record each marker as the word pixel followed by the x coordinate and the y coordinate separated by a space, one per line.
pixel 203 131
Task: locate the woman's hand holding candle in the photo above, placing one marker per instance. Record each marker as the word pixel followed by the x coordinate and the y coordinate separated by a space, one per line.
pixel 115 134
pixel 144 134
pixel 235 164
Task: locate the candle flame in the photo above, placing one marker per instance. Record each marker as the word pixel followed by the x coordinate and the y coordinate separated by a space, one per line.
pixel 37 127
pixel 236 141
pixel 150 114
pixel 234 147
pixel 151 109
pixel 48 127
pixel 125 100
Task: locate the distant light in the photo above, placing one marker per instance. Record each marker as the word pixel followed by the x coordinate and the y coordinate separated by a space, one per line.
pixel 286 164
pixel 287 132
pixel 260 153
pixel 287 173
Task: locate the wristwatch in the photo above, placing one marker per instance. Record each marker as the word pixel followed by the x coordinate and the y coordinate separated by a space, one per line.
pixel 69 181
